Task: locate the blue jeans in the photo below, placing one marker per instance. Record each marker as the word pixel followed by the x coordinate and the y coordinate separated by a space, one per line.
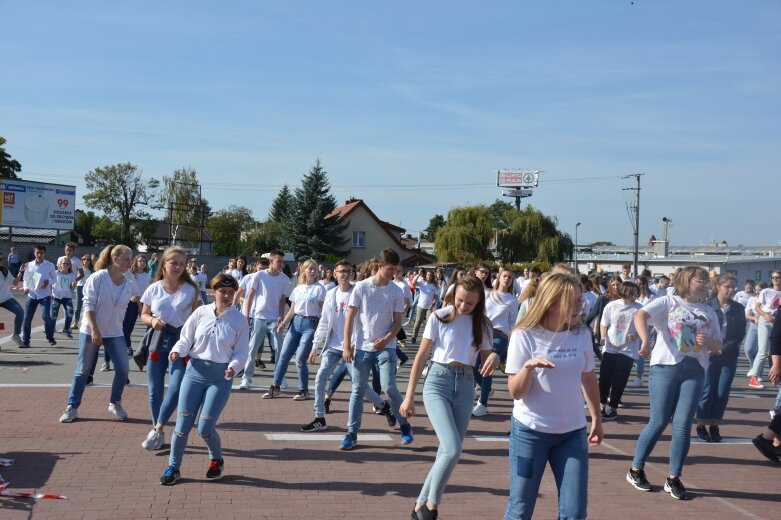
pixel 337 377
pixel 298 341
pixel 204 386
pixel 715 391
pixel 30 306
pixel 763 347
pixel 674 392
pixel 500 347
pixel 205 299
pixel 750 343
pixel 87 354
pixel 79 298
pixel 567 454
pixel 331 364
pixel 156 367
pixel 260 327
pixel 362 363
pixel 11 305
pixel 67 305
pixel 448 394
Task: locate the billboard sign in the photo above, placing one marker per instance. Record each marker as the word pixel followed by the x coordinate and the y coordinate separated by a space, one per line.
pixel 517 178
pixel 37 204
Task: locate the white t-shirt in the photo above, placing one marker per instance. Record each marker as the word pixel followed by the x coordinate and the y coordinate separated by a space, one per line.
pixel 678 322
pixel 142 280
pixel 618 317
pixel 589 298
pixel 751 305
pixel 401 284
pixel 223 339
pixel 269 290
pixel 769 299
pixel 330 328
pixel 742 297
pixel 327 285
pixel 376 307
pixel 87 274
pixel 501 308
pixel 453 341
pixel 174 309
pixel 308 298
pixel 428 294
pixel 202 278
pixel 62 286
pixel 554 403
pixel 5 286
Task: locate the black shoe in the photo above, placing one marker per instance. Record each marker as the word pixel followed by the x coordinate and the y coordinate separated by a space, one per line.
pixel 424 513
pixel 89 380
pixel 327 405
pixel 766 448
pixel 24 345
pixel 215 469
pixel 638 480
pixel 702 433
pixel 388 413
pixel 261 364
pixel 674 486
pixel 401 363
pixel 52 342
pixel 715 435
pixel 317 425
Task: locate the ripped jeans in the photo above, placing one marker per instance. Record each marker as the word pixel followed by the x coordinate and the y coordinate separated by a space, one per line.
pixel 204 386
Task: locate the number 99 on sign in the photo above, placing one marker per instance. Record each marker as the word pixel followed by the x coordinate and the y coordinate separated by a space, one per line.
pixel 63 203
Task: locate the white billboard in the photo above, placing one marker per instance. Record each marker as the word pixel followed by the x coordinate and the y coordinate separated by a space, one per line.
pixel 37 204
pixel 517 179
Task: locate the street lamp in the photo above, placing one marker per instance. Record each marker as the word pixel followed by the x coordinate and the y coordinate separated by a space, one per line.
pixel 576 248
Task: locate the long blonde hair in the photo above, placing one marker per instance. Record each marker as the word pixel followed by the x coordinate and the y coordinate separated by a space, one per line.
pixel 110 252
pixel 184 277
pixel 555 289
pixel 302 272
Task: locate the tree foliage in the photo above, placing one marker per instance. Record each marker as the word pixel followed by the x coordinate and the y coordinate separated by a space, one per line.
pixel 281 205
pixel 84 225
pixel 121 193
pixel 530 236
pixel 226 228
pixel 307 232
pixel 434 224
pixel 466 235
pixel 180 195
pixel 263 238
pixel 8 167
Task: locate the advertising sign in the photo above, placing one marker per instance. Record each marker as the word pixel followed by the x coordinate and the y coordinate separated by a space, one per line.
pixel 517 179
pixel 37 204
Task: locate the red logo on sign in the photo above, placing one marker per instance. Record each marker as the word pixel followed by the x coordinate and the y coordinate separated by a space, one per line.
pixel 9 198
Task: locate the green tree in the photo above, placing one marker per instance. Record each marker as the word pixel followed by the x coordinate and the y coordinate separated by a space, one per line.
pixel 308 232
pixel 263 238
pixel 181 196
pixel 434 224
pixel 121 193
pixel 226 228
pixel 281 205
pixel 106 230
pixel 8 167
pixel 533 236
pixel 466 235
pixel 84 225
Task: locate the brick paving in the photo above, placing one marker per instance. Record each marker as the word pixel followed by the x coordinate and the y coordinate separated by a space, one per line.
pixel 99 464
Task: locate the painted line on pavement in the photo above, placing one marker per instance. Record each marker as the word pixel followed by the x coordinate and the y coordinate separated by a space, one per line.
pixel 491 438
pixel 323 437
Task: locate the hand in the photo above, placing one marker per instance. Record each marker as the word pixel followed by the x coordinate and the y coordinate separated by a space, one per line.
pixel 539 362
pixel 173 356
pixel 596 434
pixel 347 355
pixel 775 373
pixel 280 326
pixel 701 339
pixel 97 338
pixel 228 373
pixel 44 284
pixel 26 290
pixel 490 365
pixel 602 342
pixel 644 349
pixel 158 324
pixel 379 344
pixel 407 408
pixel 312 356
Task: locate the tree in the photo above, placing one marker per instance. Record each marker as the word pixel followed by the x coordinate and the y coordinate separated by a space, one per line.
pixel 531 235
pixel 466 235
pixel 263 238
pixel 84 225
pixel 106 230
pixel 226 227
pixel 308 232
pixel 434 224
pixel 121 193
pixel 8 167
pixel 181 197
pixel 281 205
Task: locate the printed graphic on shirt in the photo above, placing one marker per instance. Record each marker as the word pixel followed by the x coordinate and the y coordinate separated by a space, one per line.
pixel 621 321
pixel 684 324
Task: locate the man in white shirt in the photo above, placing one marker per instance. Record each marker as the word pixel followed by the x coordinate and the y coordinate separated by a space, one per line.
pixel 266 297
pixel 39 275
pixel 76 265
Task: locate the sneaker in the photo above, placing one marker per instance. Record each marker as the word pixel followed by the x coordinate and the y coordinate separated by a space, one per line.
pixel 70 413
pixel 349 442
pixel 215 469
pixel 479 410
pixel 388 413
pixel 478 390
pixel 638 480
pixel 154 440
pixel 327 405
pixel 702 433
pixel 764 446
pixel 117 410
pixel 18 340
pixel 52 342
pixel 674 486
pixel 244 385
pixel 636 383
pixel 24 345
pixel 753 383
pixel 170 476
pixel 90 381
pixel 377 411
pixel 68 334
pixel 317 425
pixel 260 364
pixel 612 415
pixel 105 367
pixel 400 363
pixel 273 391
pixel 283 385
pixel 406 434
pixel 715 435
pixel 301 395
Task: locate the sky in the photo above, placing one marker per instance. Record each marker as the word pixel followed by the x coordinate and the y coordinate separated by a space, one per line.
pixel 415 106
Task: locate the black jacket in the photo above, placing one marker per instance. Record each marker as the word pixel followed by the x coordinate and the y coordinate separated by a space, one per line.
pixel 736 327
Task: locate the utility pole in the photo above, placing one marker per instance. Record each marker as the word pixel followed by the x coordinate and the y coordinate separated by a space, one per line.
pixel 635 219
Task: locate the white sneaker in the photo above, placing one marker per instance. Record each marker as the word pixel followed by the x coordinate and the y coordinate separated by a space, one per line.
pixel 636 383
pixel 283 384
pixel 154 440
pixel 244 385
pixel 69 414
pixel 479 410
pixel 18 340
pixel 116 409
pixel 105 367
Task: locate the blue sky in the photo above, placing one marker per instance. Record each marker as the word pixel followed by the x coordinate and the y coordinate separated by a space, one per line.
pixel 414 106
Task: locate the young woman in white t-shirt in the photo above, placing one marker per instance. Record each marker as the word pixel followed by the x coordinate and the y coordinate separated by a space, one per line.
pixel 427 299
pixel 550 368
pixel 752 335
pixel 766 308
pixel 688 333
pixel 501 309
pixel 457 334
pixel 304 314
pixel 86 262
pixel 167 303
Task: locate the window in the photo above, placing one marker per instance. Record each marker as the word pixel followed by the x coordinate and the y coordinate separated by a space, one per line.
pixel 359 239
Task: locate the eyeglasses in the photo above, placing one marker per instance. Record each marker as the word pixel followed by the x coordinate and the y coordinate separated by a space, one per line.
pixel 775 277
